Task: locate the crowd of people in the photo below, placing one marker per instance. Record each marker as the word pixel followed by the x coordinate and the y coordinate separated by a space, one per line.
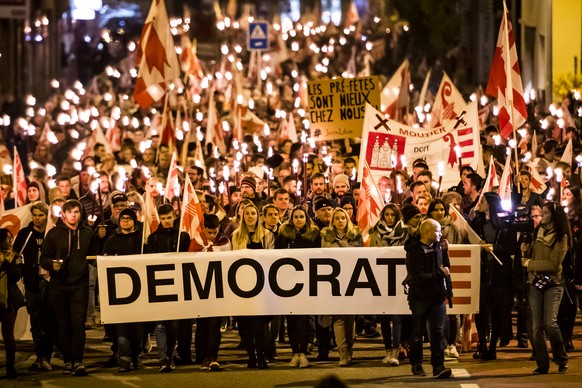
pixel 267 191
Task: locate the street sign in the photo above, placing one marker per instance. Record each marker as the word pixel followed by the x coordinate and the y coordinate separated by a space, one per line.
pixel 258 36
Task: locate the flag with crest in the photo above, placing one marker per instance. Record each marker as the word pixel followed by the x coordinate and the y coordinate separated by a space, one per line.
pixel 192 220
pixel 370 203
pixel 19 181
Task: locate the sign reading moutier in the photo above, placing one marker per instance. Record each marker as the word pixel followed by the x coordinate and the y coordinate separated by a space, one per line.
pixel 319 281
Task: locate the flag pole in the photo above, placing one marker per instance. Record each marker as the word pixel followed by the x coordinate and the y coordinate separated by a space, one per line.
pixel 14 180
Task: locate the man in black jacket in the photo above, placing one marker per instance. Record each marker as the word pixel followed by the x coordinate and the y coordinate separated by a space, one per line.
pixel 129 336
pixel 28 244
pixel 64 255
pixel 427 265
pixel 167 239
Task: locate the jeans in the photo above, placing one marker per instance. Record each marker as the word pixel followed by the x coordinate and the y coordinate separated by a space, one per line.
pixel 392 335
pixel 92 285
pixel 254 332
pixel 41 322
pixel 184 339
pixel 129 340
pixel 7 321
pixel 434 313
pixel 166 333
pixel 70 308
pixel 544 306
pixel 343 328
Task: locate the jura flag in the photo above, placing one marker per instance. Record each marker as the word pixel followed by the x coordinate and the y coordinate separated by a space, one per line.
pixel 156 57
pixel 505 80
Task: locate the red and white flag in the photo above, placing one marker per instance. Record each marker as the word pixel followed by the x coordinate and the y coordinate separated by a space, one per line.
pixel 505 80
pixel 19 181
pixel 168 135
pixel 214 131
pixel 16 219
pixel 113 136
pixel 537 182
pixel 395 94
pixel 151 219
pixel 492 180
pixel 189 60
pixel 505 184
pixel 192 220
pixel 370 203
pixel 448 103
pixel 173 184
pixel 156 57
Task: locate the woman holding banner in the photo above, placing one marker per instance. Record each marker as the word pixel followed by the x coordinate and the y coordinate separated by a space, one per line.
pixel 342 233
pixel 390 231
pixel 253 330
pixel 298 232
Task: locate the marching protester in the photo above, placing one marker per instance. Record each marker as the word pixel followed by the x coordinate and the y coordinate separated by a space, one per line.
pixel 129 336
pixel 208 335
pixel 11 298
pixel 298 232
pixel 167 238
pixel 253 330
pixel 64 255
pixel 543 261
pixel 28 245
pixel 427 266
pixel 341 232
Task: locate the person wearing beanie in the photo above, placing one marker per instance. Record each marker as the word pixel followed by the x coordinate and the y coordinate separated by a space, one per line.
pixel 348 203
pixel 129 336
pixel 248 189
pixel 341 186
pixel 29 243
pixel 35 192
pixel 323 208
pixel 411 215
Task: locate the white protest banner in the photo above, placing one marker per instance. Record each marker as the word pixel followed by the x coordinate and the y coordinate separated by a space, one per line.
pixel 337 106
pixel 385 141
pixel 322 281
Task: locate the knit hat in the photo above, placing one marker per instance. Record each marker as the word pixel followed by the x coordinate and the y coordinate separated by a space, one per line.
pixel 128 212
pixel 348 198
pixel 408 212
pixel 343 178
pixel 249 181
pixel 322 202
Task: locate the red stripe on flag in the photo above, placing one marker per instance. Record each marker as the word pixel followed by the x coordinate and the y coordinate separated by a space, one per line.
pixel 468 154
pixel 460 253
pixel 457 300
pixel 465 131
pixel 466 143
pixel 460 269
pixel 460 284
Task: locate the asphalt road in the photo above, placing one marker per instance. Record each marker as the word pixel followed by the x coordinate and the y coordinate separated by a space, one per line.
pixel 511 369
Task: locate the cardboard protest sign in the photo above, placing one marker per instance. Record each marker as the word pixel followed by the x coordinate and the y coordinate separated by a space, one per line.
pixel 337 107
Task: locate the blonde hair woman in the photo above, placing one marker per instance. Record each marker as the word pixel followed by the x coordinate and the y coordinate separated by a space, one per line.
pixel 253 330
pixel 341 232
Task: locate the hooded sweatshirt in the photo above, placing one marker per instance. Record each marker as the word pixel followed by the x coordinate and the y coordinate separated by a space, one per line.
pixel 71 246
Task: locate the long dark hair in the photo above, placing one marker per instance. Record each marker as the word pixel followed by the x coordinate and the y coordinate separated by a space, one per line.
pixel 561 225
pixel 308 221
pixel 432 205
pixel 395 209
pixel 4 234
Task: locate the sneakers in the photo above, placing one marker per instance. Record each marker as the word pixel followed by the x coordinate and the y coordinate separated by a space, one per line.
pixel 418 370
pixel 540 371
pixel 391 357
pixel 79 369
pixel 563 368
pixel 124 365
pixel 295 361
pixel 440 372
pixel 303 361
pixel 344 361
pixel 167 366
pixel 147 345
pixel 214 366
pixel 36 365
pixel 205 364
pixel 451 351
pixel 46 366
pixel 68 368
pixel 90 324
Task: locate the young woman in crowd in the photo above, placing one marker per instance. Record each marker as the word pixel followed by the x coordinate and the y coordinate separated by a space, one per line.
pixel 253 330
pixel 342 233
pixel 298 232
pixel 544 258
pixel 390 231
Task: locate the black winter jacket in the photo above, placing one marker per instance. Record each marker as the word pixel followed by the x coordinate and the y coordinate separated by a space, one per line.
pixel 30 255
pixel 166 240
pixel 289 237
